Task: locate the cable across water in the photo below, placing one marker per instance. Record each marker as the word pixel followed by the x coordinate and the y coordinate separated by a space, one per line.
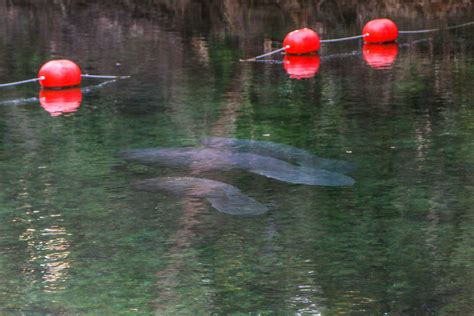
pixel 435 30
pixel 16 83
pixel 104 77
pixel 349 38
pixel 265 55
pixel 344 38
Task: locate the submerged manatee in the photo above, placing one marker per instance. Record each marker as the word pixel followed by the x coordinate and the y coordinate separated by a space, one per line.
pixel 294 155
pixel 224 197
pixel 202 159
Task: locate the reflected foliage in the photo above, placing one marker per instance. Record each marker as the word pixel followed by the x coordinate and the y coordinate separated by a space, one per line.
pixel 77 239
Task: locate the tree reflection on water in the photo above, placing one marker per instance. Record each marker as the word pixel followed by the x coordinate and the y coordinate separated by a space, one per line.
pixel 398 241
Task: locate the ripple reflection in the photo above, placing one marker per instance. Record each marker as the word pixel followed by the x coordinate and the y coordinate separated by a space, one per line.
pixel 48 255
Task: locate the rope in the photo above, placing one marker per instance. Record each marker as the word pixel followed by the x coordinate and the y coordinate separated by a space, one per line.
pixel 265 55
pixel 100 85
pixel 322 41
pixel 10 84
pixel 435 30
pixel 19 101
pixel 341 55
pixel 104 77
pixel 460 25
pixel 269 61
pixel 344 38
pixel 418 31
pixel 411 43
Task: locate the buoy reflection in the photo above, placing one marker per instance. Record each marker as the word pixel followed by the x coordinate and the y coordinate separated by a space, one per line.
pixel 380 56
pixel 301 67
pixel 57 102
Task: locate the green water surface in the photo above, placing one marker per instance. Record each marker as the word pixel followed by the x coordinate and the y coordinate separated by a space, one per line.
pixel 77 238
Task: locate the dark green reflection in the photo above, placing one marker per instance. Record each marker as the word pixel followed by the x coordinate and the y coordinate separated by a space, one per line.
pixel 76 238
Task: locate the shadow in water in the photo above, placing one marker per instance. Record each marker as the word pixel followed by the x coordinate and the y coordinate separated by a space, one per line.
pixel 222 196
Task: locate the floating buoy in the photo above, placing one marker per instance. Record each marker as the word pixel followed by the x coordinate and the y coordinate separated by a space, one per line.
pixel 380 56
pixel 57 102
pixel 301 67
pixel 302 41
pixel 60 73
pixel 380 31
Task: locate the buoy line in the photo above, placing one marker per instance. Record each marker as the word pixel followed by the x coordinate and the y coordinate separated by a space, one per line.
pixel 436 30
pixel 58 74
pixel 349 38
pixel 104 77
pixel 61 92
pixel 10 84
pixel 377 31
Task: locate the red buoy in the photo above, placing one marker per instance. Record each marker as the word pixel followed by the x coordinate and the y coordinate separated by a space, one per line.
pixel 57 102
pixel 59 74
pixel 301 67
pixel 380 56
pixel 380 31
pixel 302 41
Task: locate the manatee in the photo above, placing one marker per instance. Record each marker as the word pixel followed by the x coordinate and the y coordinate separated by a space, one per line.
pixel 288 153
pixel 203 159
pixel 222 196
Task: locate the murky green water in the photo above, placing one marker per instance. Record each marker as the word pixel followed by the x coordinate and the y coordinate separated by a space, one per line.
pixel 78 238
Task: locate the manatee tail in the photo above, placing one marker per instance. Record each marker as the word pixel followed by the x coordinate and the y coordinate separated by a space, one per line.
pixel 222 196
pixel 237 205
pixel 309 176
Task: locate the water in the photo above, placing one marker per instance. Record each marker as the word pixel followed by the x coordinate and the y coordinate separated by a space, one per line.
pixel 77 238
